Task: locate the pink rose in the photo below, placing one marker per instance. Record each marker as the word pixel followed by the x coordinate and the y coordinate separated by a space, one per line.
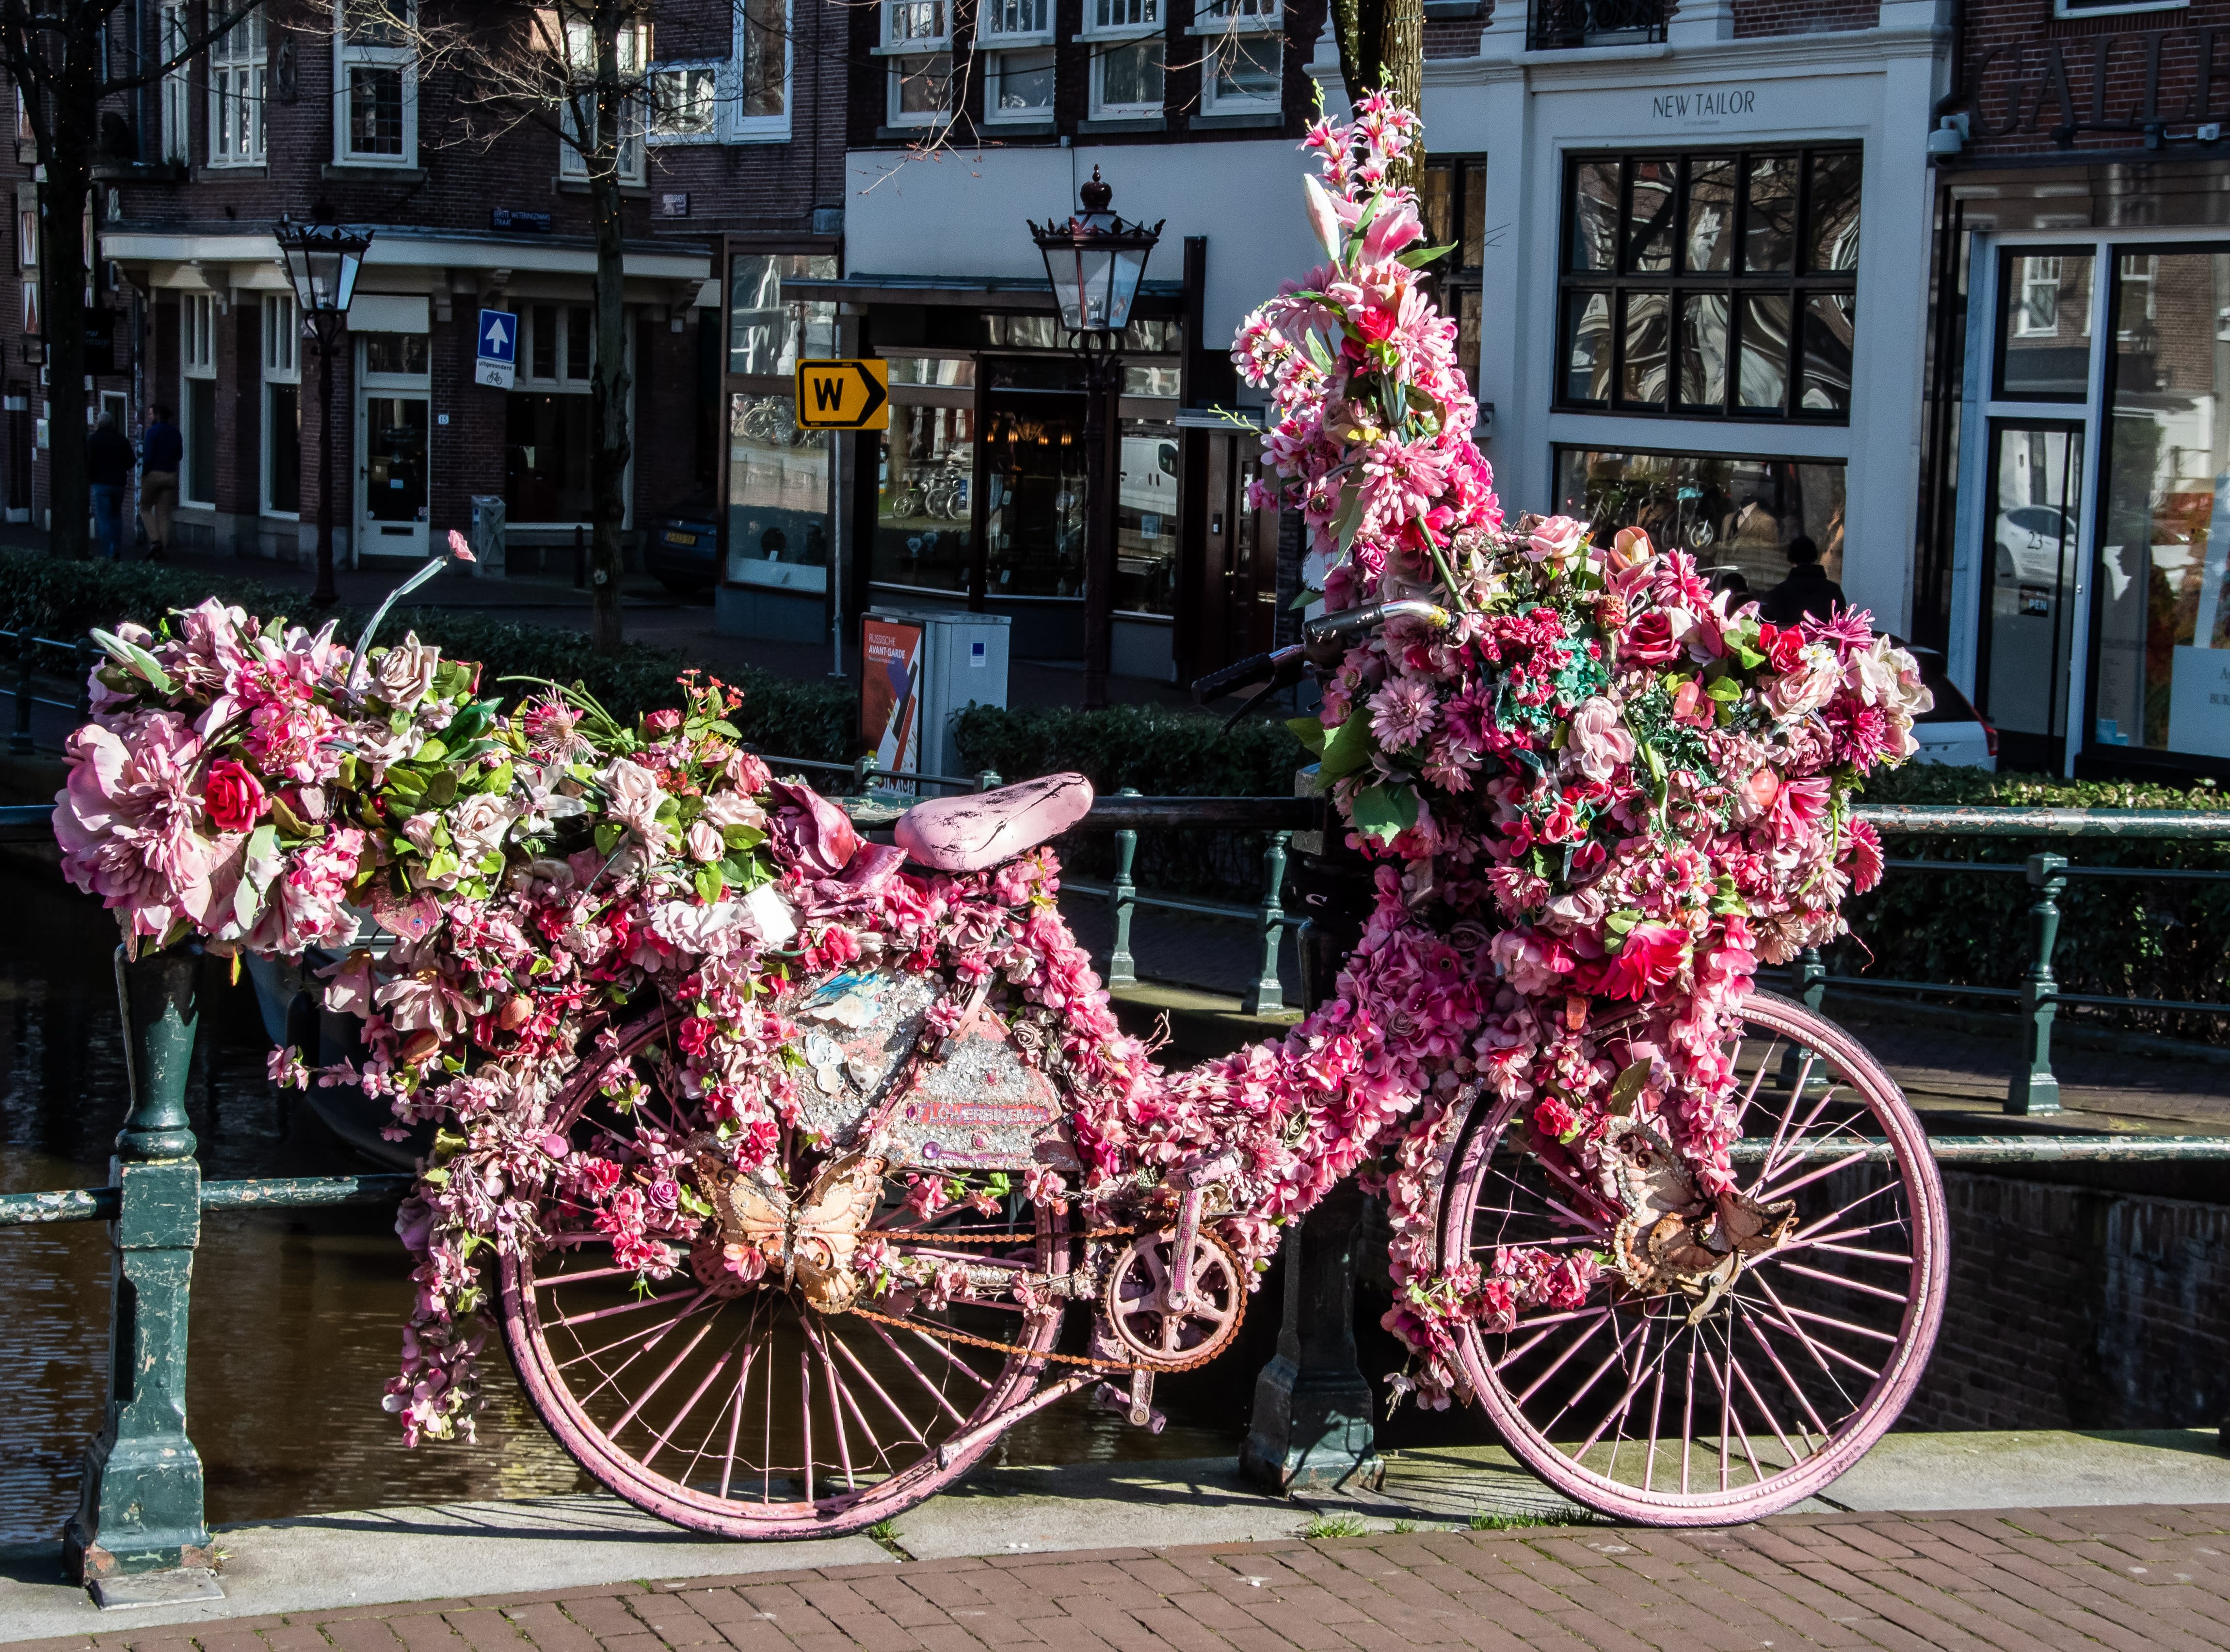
pixel 1555 1118
pixel 705 842
pixel 1555 538
pixel 232 798
pixel 1649 639
pixel 1598 745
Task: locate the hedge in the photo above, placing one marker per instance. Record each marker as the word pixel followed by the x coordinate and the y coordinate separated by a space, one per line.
pixel 2118 937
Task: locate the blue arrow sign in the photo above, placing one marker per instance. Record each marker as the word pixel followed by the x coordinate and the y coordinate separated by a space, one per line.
pixel 498 337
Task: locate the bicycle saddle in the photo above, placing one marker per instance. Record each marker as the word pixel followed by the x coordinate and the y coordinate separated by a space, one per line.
pixel 979 829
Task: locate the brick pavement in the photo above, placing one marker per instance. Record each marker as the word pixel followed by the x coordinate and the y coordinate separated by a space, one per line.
pixel 2123 1580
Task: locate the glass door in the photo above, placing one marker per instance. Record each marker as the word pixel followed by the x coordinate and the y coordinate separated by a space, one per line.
pixel 392 459
pixel 2031 544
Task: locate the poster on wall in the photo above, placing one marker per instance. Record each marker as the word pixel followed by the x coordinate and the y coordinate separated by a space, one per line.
pixel 2198 702
pixel 890 697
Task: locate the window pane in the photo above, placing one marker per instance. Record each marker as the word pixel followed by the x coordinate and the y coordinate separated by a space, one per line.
pixel 1248 69
pixel 777 496
pixel 2044 329
pixel 1436 202
pixel 1763 382
pixel 685 102
pixel 1587 347
pixel 1034 500
pixel 1473 253
pixel 578 345
pixel 2163 557
pixel 1146 518
pixel 1649 217
pixel 1704 351
pixel 1643 377
pixel 762 326
pixel 395 352
pixel 1594 216
pixel 1831 235
pixel 1467 315
pixel 923 510
pixel 1024 82
pixel 766 53
pixel 1735 515
pixel 545 457
pixel 544 353
pixel 2036 490
pixel 1830 320
pixel 285 435
pixel 395 458
pixel 1710 235
pixel 201 441
pixel 1769 229
pixel 1132 75
pixel 375 111
pixel 925 84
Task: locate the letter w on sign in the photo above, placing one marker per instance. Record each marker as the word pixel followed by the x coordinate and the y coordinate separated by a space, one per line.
pixel 843 395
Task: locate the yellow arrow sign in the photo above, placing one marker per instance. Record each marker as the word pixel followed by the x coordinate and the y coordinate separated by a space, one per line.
pixel 844 396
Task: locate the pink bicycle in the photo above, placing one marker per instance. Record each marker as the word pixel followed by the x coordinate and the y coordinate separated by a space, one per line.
pixel 885 1346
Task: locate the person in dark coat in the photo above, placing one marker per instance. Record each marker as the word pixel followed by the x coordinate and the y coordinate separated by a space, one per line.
pixel 1806 591
pixel 162 451
pixel 108 458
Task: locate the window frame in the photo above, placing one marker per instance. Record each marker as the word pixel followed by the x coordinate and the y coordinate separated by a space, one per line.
pixel 348 57
pixel 229 108
pixel 916 47
pixel 1210 103
pixel 172 31
pixel 1102 47
pixel 994 42
pixel 995 76
pixel 198 332
pixel 281 333
pixel 635 117
pixel 741 127
pixel 658 140
pixel 1678 284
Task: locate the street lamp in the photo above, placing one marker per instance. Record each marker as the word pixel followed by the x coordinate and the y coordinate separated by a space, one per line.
pixel 322 260
pixel 1095 262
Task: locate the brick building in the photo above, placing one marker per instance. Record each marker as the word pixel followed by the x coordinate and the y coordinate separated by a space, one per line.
pixel 737 171
pixel 2075 531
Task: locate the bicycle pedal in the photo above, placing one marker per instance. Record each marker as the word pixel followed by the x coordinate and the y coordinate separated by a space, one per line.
pixel 1108 1397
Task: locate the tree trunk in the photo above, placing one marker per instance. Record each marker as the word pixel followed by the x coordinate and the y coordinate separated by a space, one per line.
pixel 63 264
pixel 607 390
pixel 1381 43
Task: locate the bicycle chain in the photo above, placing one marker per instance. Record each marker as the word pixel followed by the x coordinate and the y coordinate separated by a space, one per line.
pixel 969 1340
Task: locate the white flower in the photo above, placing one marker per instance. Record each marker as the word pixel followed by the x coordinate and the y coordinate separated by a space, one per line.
pixel 477 825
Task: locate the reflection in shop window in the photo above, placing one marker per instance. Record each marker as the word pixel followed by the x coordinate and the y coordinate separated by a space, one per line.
pixel 2162 665
pixel 2036 488
pixel 1734 513
pixel 546 452
pixel 923 510
pixel 777 495
pixel 764 331
pixel 2044 326
pixel 1034 501
pixel 1146 518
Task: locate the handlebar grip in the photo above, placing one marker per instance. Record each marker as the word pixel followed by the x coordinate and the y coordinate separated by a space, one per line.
pixel 1252 670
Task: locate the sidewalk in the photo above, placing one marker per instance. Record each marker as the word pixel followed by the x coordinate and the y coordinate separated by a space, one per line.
pixel 2124 1578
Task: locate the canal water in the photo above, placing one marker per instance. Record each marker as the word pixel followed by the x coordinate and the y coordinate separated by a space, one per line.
pixel 296 1316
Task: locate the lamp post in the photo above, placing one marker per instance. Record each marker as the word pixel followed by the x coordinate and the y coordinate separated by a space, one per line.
pixel 1095 262
pixel 322 260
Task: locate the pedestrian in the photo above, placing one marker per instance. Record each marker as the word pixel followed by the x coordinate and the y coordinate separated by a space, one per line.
pixel 109 459
pixel 1806 591
pixel 161 450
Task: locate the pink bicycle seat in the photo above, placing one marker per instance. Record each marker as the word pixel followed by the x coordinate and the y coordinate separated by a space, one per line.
pixel 980 829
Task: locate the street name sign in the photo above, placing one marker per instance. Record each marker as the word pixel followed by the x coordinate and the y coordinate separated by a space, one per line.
pixel 497 362
pixel 844 396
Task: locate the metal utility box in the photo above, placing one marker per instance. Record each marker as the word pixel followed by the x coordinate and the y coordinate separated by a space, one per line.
pixel 920 669
pixel 488 520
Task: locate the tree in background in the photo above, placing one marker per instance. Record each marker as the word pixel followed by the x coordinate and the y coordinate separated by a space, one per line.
pixel 67 60
pixel 1381 44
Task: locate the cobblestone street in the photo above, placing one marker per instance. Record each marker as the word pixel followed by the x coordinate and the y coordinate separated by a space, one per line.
pixel 2121 1578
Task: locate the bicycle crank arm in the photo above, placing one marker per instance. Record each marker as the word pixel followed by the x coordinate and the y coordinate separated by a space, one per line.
pixel 961 1444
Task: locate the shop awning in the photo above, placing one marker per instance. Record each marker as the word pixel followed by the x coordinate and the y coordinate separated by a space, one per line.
pixel 1161 299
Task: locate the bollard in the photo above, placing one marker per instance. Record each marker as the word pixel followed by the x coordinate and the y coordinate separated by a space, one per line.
pixel 1312 1428
pixel 2034 1089
pixel 140 1537
pixel 1122 900
pixel 19 743
pixel 1268 993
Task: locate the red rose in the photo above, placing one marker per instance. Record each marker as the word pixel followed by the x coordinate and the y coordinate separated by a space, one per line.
pixel 1785 649
pixel 1649 640
pixel 233 798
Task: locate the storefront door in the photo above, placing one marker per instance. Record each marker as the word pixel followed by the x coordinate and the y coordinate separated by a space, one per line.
pixel 393 426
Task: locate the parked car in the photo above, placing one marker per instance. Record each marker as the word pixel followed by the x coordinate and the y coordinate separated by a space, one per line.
pixel 2036 543
pixel 1952 731
pixel 681 549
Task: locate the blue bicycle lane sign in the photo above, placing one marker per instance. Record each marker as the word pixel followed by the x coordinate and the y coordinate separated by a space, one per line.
pixel 498 354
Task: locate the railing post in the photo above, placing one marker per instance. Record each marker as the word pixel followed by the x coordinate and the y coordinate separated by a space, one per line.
pixel 1811 979
pixel 2034 1089
pixel 1312 1427
pixel 19 743
pixel 987 779
pixel 1268 993
pixel 140 1510
pixel 865 767
pixel 1121 897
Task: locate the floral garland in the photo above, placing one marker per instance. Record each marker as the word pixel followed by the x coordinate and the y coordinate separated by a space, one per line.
pixel 1594 794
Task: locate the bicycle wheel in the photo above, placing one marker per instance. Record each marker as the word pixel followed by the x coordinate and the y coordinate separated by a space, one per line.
pixel 746 1411
pixel 1682 1408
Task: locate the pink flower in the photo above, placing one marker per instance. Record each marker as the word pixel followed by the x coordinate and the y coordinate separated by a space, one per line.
pixel 232 798
pixel 1597 745
pixel 634 797
pixel 128 824
pixel 1651 955
pixel 1648 640
pixel 1555 539
pixel 705 842
pixel 1401 713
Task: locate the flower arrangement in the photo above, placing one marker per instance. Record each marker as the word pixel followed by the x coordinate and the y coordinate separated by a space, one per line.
pixel 1593 793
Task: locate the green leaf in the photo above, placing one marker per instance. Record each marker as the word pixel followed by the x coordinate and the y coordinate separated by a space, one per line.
pixel 431 752
pixel 1385 813
pixel 709 884
pixel 608 836
pixel 1625 1087
pixel 1417 257
pixel 137 658
pixel 1726 690
pixel 1310 732
pixel 1347 748
pixel 742 837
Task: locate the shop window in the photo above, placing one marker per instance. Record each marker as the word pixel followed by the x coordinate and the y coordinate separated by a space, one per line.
pixel 765 332
pixel 239 70
pixel 1452 200
pixel 2044 325
pixel 777 495
pixel 917 39
pixel 2161 666
pixel 925 509
pixel 282 405
pixel 374 68
pixel 1735 514
pixel 1709 284
pixel 197 322
pixel 172 36
pixel 1146 518
pixel 1015 41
